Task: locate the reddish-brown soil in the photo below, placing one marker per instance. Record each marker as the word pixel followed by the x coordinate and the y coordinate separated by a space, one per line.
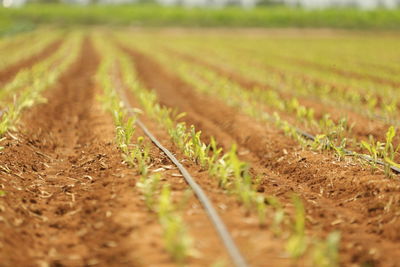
pixel 340 196
pixel 70 200
pixel 8 73
pixel 362 128
pixel 257 244
pixel 62 180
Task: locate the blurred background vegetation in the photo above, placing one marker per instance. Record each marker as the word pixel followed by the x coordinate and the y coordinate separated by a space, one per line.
pixel 20 15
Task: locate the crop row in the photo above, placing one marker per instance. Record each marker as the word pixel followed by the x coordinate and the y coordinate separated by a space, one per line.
pixel 17 40
pixel 287 79
pixel 331 83
pixel 34 45
pixel 352 58
pixel 275 70
pixel 157 197
pixel 357 63
pixel 268 106
pixel 26 88
pixel 233 175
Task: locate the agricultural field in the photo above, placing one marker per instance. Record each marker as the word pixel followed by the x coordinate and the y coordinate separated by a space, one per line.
pixel 125 146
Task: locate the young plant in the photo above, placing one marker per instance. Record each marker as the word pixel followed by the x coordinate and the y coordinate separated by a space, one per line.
pixel 124 131
pixel 298 242
pixel 177 241
pixel 149 186
pixel 325 253
pixel 200 150
pixel 389 151
pixel 385 151
pixel 141 154
pixel 375 149
pixel 215 152
pixel 279 214
pixel 340 149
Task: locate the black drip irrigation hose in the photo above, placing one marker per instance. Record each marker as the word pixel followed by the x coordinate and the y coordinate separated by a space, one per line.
pixel 233 251
pixel 352 153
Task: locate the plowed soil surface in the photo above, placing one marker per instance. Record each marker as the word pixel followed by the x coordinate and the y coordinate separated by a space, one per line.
pixel 338 195
pixel 71 200
pixel 8 73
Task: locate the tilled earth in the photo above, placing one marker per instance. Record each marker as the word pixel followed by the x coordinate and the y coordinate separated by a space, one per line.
pixel 340 196
pixel 71 201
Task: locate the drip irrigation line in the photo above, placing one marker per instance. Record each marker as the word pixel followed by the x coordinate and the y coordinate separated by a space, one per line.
pixel 233 251
pixel 349 107
pixel 351 153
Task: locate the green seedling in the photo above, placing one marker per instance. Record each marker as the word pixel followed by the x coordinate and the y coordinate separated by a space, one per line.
pixel 261 209
pixel 215 154
pixel 390 108
pixel 222 172
pixel 302 112
pixel 334 131
pixel 389 151
pixel 180 136
pixel 385 151
pixel 326 253
pixel 141 154
pixel 279 214
pixel 321 142
pixel 372 102
pixel 125 132
pixel 176 239
pixel 149 187
pixel 199 151
pixel 340 150
pixel 297 243
pixel 375 149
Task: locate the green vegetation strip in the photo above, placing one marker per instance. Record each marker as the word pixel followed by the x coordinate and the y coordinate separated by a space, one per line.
pixel 31 47
pixel 153 15
pixel 176 238
pixel 388 163
pixel 233 174
pixel 222 231
pixel 28 85
pixel 139 157
pixel 332 136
